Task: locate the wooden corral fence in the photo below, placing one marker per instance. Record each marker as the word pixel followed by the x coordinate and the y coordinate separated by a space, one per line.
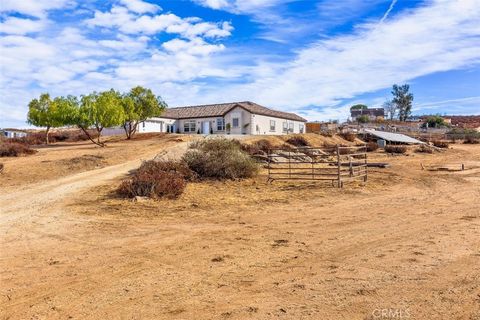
pixel 337 164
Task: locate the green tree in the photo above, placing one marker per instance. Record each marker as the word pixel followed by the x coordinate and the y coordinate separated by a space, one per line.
pixel 435 121
pixel 67 108
pixel 99 110
pixel 359 107
pixel 139 105
pixel 403 99
pixel 43 112
pixel 363 119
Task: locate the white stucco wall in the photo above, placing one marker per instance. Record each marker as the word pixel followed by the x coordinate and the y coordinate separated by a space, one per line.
pixel 247 124
pixel 156 125
pixel 14 134
pixel 244 121
pixel 261 125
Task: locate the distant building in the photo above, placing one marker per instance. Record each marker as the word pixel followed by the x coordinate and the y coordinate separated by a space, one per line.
pixel 13 133
pixel 317 127
pixel 371 113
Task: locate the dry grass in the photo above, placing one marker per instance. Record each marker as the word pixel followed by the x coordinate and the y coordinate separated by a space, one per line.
pixel 244 249
pixel 349 136
pixel 220 159
pixel 441 144
pixel 372 146
pixel 15 149
pixel 156 180
pixel 395 149
pixel 471 140
pixel 424 149
pixel 298 141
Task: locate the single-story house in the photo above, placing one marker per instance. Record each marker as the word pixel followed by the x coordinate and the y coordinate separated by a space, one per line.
pixel 13 133
pixel 225 118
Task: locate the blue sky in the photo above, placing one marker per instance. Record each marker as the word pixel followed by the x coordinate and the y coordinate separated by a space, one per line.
pixel 315 58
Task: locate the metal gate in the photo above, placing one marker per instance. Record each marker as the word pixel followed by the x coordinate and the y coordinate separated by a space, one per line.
pixel 337 164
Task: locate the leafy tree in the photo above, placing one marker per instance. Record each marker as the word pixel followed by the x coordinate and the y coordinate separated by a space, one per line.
pixel 67 108
pixel 391 108
pixel 359 107
pixel 403 100
pixel 99 110
pixel 363 119
pixel 43 112
pixel 435 121
pixel 139 105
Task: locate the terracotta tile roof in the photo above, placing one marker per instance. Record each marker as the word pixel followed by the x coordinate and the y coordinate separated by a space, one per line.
pixel 219 110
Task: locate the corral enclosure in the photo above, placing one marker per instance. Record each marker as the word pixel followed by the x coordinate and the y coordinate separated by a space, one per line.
pixel 337 164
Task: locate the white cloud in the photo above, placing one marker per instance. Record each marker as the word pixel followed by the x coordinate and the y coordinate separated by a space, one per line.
pixel 192 68
pixel 131 23
pixel 140 6
pixel 439 37
pixel 13 25
pixel 241 6
pixel 36 8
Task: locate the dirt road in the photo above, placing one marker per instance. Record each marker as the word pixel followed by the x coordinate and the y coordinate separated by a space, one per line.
pixel 406 244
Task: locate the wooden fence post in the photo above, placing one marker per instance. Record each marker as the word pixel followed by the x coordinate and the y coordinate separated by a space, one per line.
pixel 338 166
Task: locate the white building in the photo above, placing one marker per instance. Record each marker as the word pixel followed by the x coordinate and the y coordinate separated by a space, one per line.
pixel 234 118
pixel 13 133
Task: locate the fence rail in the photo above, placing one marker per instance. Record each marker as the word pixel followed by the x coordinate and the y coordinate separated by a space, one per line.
pixel 336 164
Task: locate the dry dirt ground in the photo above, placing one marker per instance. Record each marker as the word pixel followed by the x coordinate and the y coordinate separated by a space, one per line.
pixel 404 246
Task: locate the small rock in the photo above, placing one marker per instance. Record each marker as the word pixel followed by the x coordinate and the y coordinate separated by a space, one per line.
pixel 140 199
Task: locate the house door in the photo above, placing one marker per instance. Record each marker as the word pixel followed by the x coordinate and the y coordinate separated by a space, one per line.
pixel 206 127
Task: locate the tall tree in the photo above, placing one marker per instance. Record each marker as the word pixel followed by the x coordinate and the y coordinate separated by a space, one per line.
pixel 391 108
pixel 43 112
pixel 139 105
pixel 67 108
pixel 403 100
pixel 359 107
pixel 100 110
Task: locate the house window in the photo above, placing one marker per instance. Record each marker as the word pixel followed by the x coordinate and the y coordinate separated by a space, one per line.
pixel 220 124
pixel 301 127
pixel 189 126
pixel 143 124
pixel 235 122
pixel 272 125
pixel 285 126
pixel 290 126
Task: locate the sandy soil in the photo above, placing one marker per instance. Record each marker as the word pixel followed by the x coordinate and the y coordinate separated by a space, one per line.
pixel 404 246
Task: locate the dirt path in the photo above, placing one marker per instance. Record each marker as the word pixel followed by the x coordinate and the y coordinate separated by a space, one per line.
pixel 42 194
pixel 246 250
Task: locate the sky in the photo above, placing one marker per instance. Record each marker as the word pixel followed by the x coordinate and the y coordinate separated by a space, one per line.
pixel 314 58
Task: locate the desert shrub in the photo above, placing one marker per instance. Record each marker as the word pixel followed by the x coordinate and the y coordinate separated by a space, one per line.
pixel 440 144
pixel 219 159
pixel 38 138
pixel 1 167
pixel 259 147
pixel 424 149
pixel 395 149
pixel 471 140
pixel 180 167
pixel 349 136
pixel 14 149
pixel 155 180
pixel 372 146
pixel 298 141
